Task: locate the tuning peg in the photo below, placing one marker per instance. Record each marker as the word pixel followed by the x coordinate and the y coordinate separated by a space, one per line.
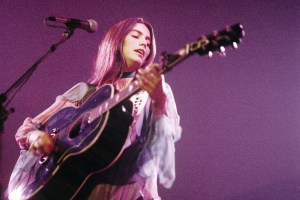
pixel 234 45
pixel 210 54
pixel 222 51
pixel 243 31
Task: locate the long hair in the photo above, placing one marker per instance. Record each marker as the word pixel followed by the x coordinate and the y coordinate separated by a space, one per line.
pixel 110 60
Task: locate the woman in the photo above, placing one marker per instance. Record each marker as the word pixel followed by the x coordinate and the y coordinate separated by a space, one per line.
pixel 126 53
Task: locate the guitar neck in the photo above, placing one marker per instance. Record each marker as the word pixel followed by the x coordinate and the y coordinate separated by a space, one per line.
pixel 164 66
pixel 168 63
pixel 205 45
pixel 170 60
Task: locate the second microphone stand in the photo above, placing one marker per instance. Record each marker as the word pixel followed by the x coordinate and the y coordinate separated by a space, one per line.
pixel 8 95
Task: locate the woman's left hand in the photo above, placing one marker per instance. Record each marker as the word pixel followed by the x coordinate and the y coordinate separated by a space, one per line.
pixel 150 80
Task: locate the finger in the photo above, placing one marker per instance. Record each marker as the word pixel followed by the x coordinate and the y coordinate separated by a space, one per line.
pixel 154 66
pixel 32 148
pixel 152 69
pixel 145 87
pixel 146 82
pixel 150 75
pixel 45 144
pixel 155 69
pixel 155 72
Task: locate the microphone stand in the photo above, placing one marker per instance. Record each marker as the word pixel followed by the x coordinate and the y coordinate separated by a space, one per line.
pixel 8 95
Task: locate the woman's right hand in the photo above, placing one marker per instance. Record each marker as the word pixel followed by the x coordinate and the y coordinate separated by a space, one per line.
pixel 40 142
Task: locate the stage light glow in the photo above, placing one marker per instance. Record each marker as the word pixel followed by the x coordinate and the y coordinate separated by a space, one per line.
pixel 15 194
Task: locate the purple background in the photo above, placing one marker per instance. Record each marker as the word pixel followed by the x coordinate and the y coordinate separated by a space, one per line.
pixel 240 113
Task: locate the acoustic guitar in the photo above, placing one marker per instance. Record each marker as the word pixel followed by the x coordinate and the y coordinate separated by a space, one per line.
pixel 89 139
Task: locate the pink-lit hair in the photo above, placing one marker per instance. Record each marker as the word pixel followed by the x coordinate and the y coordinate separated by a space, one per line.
pixel 110 59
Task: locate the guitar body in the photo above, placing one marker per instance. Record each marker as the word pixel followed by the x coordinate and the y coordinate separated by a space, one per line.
pixel 82 148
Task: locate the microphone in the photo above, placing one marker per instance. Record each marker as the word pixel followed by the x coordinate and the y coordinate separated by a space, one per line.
pixel 90 25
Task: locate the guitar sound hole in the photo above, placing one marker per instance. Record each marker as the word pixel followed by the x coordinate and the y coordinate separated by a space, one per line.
pixel 75 130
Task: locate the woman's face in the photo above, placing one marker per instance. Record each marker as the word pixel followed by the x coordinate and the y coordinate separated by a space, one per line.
pixel 136 47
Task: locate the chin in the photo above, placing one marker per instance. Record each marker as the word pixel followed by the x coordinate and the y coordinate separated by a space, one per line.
pixel 134 65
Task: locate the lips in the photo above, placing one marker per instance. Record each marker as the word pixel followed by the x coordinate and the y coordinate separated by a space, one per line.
pixel 141 52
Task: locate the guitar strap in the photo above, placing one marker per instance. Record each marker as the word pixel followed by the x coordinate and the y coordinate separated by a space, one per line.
pixel 128 75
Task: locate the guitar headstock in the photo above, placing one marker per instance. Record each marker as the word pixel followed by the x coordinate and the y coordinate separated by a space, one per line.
pixel 218 40
pixel 205 45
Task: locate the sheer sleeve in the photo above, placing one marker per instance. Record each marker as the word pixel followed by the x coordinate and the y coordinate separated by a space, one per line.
pixel 69 98
pixel 24 131
pixel 167 131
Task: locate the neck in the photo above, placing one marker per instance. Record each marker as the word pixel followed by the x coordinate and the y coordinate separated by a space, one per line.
pixel 122 83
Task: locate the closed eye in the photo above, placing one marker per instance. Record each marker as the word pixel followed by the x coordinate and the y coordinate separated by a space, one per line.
pixel 137 37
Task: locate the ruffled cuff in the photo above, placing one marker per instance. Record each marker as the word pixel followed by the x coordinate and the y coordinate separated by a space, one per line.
pixel 23 134
pixel 162 148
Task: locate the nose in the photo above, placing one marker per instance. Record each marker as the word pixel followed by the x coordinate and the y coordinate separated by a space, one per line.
pixel 143 43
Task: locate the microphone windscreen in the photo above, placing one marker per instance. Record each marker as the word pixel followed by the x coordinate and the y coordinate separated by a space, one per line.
pixel 93 26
